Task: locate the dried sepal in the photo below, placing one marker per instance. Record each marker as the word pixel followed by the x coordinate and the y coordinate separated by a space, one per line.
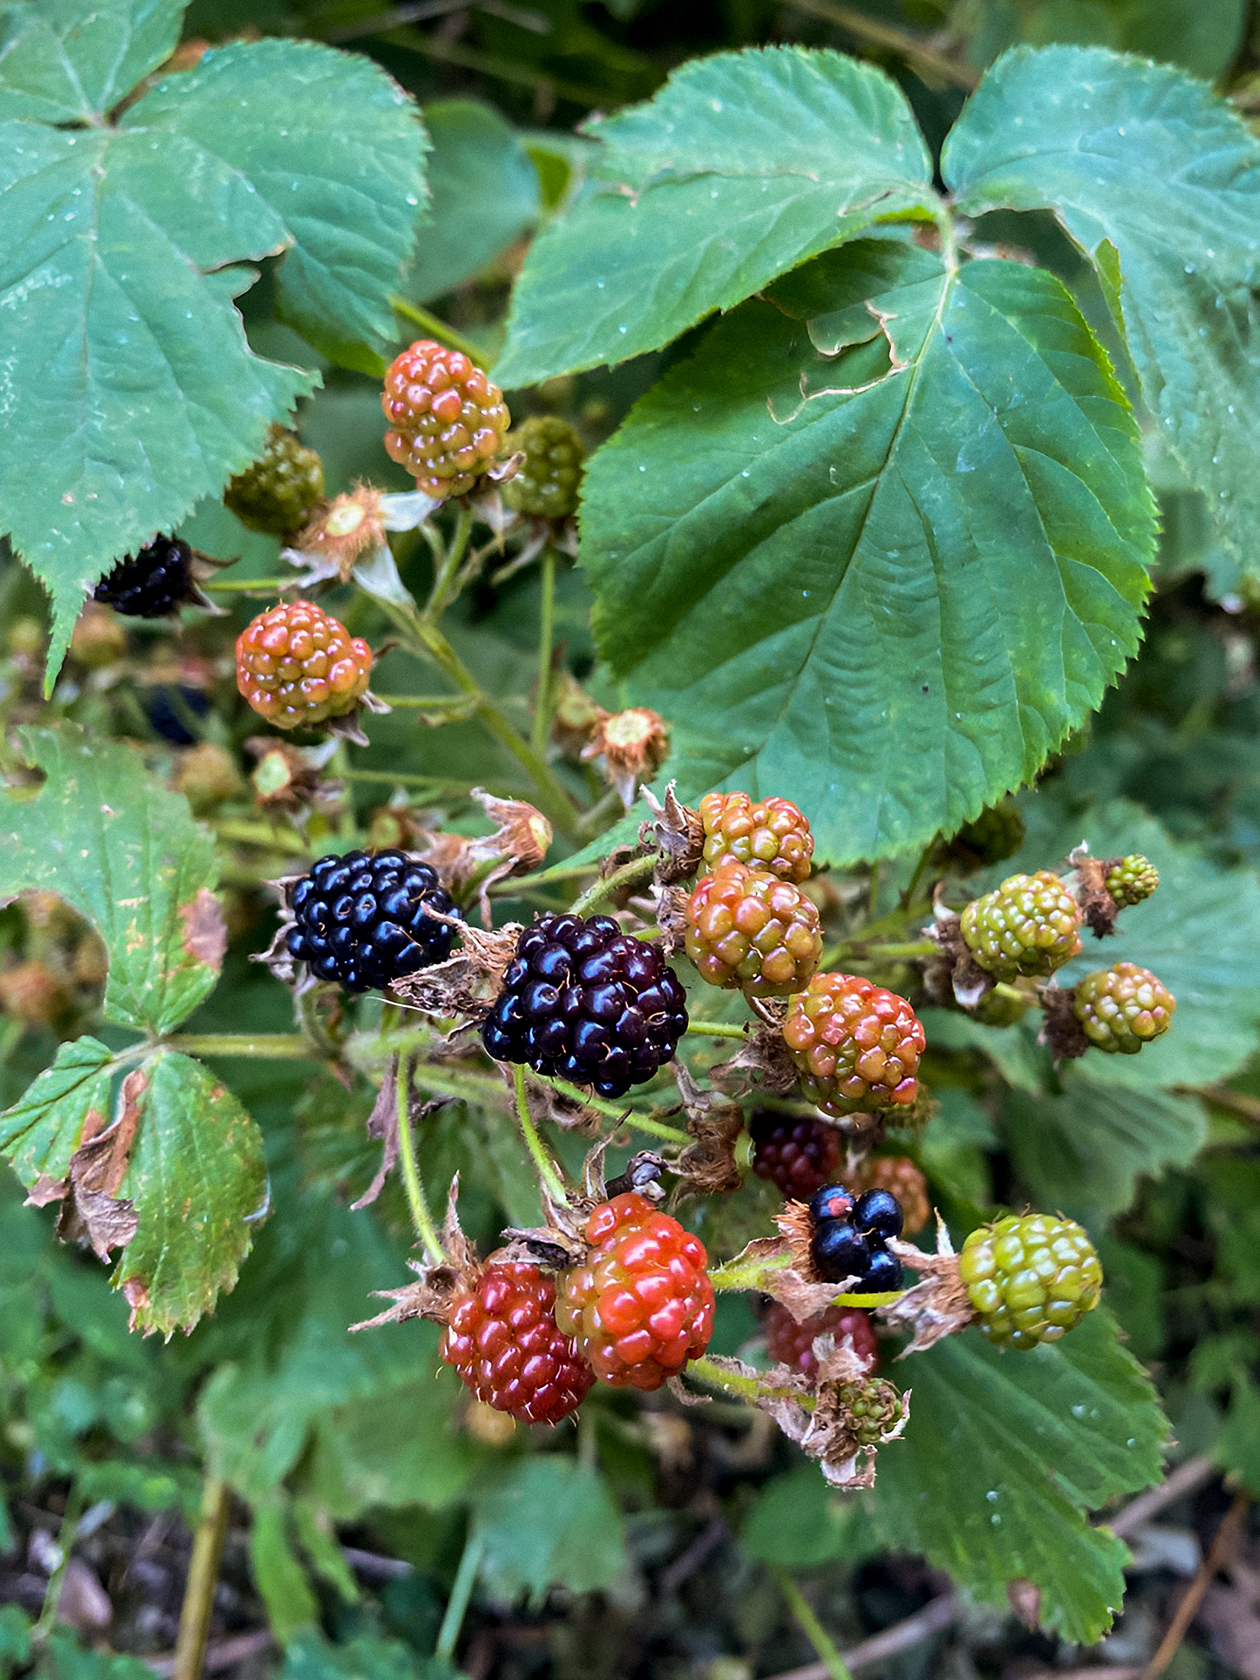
pixel 518 845
pixel 382 1125
pixel 575 717
pixel 955 976
pixel 633 745
pixel 436 1280
pixel 467 983
pixel 677 834
pixel 936 1306
pixel 286 778
pixel 1061 1032
pixel 708 1164
pixel 761 1063
pixel 350 525
pixel 1088 886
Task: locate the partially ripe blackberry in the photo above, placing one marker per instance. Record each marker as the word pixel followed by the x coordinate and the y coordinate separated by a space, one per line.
pixel 296 665
pixel 281 489
pixel 878 1211
pixel 1031 1278
pixel 761 834
pixel 503 1339
pixel 549 477
pixel 796 1152
pixel 363 919
pixel 151 584
pixel 857 1045
pixel 585 1002
pixel 873 1407
pixel 792 1344
pixel 1131 879
pixel 1028 925
pixel 447 419
pixel 747 928
pixel 1123 1007
pixel 641 1305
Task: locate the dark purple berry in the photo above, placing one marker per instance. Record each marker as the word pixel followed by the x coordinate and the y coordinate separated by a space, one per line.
pixel 879 1211
pixel 882 1273
pixel 838 1251
pixel 833 1201
pixel 363 919
pixel 585 1002
pixel 150 584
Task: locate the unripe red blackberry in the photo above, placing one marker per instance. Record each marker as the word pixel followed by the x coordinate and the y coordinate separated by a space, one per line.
pixel 898 1175
pixel 761 834
pixel 152 583
pixel 503 1339
pixel 1028 925
pixel 1131 879
pixel 1123 1007
pixel 873 1406
pixel 1031 1278
pixel 446 418
pixel 748 928
pixel 366 920
pixel 641 1305
pixel 281 489
pixel 857 1045
pixel 583 1001
pixel 796 1152
pixel 296 665
pixel 792 1344
pixel 548 480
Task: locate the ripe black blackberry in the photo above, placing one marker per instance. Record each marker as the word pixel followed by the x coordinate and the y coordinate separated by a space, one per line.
pixel 850 1239
pixel 364 919
pixel 582 1001
pixel 151 584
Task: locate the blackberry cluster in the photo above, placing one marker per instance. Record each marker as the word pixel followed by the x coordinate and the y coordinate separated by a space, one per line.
pixel 364 919
pixel 582 1001
pixel 1028 925
pixel 150 584
pixel 446 418
pixel 501 1336
pixel 551 473
pixel 1123 1007
pixel 747 928
pixel 763 834
pixel 792 1344
pixel 281 489
pixel 800 1155
pixel 856 1044
pixel 850 1238
pixel 1031 1278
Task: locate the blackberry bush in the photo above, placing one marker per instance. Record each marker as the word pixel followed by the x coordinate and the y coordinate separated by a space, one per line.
pixel 582 1001
pixel 364 920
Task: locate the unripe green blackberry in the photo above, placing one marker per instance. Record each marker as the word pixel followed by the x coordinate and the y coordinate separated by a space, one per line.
pixel 746 928
pixel 873 1406
pixel 1028 925
pixel 1123 1007
pixel 280 491
pixel 1131 879
pixel 551 473
pixel 1030 1277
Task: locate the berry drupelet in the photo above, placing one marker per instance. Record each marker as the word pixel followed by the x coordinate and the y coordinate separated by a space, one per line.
pixel 762 834
pixel 1123 1007
pixel 1028 925
pixel 1031 1278
pixel 446 418
pixel 792 1344
pixel 502 1337
pixel 151 584
pixel 585 1002
pixel 899 1175
pixel 642 1305
pixel 857 1045
pixel 364 920
pixel 549 477
pixel 747 928
pixel 799 1154
pixel 296 665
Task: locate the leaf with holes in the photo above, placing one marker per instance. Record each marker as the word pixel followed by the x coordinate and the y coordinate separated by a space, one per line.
pixel 902 555
pixel 106 836
pixel 741 167
pixel 1158 181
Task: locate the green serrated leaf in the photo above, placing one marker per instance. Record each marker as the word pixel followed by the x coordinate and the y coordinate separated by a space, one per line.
pixel 69 61
pixel 548 1521
pixel 106 836
pixel 40 1133
pixel 335 147
pixel 1082 1152
pixel 282 1582
pixel 1004 1455
pixel 886 582
pixel 485 193
pixel 741 167
pixel 1238 1445
pixel 1158 181
pixel 197 1180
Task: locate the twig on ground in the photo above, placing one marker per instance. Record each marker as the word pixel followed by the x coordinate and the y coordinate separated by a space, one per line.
pixel 1218 1555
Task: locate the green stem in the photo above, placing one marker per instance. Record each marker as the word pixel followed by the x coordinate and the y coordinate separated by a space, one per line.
pixel 250 586
pixel 744 1388
pixel 461 1592
pixel 203 1578
pixel 443 590
pixel 616 1111
pixel 261 834
pixel 546 634
pixel 909 948
pixel 925 857
pixel 872 903
pixel 421 1218
pixel 65 1545
pixel 277 1046
pixel 543 1164
pixel 719 1029
pixel 638 869
pixel 400 778
pixel 426 702
pixel 440 330
pixel 803 1614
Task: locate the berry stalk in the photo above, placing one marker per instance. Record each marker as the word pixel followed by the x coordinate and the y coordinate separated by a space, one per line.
pixel 421 1218
pixel 544 1166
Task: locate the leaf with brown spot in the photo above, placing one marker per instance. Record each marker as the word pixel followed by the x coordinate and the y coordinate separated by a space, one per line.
pixel 205 931
pixel 42 1130
pixel 92 1209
